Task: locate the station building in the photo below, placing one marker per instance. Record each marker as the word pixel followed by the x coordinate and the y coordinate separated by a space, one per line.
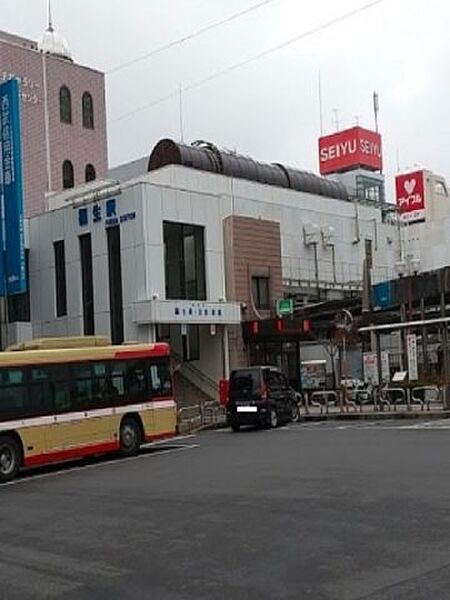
pixel 194 244
pixel 189 243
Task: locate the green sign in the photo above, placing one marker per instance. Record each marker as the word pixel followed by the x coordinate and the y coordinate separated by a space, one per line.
pixel 285 307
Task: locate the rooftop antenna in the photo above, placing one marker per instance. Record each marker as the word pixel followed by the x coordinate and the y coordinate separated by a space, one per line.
pixel 336 118
pixel 376 109
pixel 398 159
pixel 180 107
pixel 356 120
pixel 320 104
pixel 49 16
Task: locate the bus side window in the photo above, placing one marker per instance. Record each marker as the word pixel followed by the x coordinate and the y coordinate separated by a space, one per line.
pixel 13 393
pixel 81 386
pixel 160 379
pixel 135 379
pixel 128 377
pixel 103 392
pixel 41 392
pixel 90 386
pixel 117 378
pixel 61 388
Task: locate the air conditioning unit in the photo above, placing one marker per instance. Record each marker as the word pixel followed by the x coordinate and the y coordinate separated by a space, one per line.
pixel 311 234
pixel 328 236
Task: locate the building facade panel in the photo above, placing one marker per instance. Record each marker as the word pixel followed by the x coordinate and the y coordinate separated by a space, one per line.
pixel 48 143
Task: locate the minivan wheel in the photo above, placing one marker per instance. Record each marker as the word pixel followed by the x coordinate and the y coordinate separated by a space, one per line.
pixel 235 427
pixel 295 413
pixel 273 418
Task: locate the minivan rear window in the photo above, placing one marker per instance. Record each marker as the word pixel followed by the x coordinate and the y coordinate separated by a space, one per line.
pixel 245 381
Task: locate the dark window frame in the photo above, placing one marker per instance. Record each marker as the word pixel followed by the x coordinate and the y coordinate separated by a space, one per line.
pixel 115 283
pixel 89 173
pixel 65 105
pixel 88 110
pixel 184 262
pixel 68 175
pixel 87 283
pixel 59 253
pixel 261 297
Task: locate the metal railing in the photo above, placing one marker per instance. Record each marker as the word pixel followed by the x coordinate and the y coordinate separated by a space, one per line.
pixel 196 416
pixel 322 399
pixel 374 399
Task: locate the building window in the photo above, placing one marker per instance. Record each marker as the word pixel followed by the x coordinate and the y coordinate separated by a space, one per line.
pixel 88 111
pixel 68 179
pixel 60 279
pixel 369 189
pixel 184 257
pixel 260 291
pixel 65 105
pixel 115 284
pixel 87 283
pixel 89 173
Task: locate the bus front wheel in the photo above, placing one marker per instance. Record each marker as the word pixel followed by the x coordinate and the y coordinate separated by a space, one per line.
pixel 10 458
pixel 130 436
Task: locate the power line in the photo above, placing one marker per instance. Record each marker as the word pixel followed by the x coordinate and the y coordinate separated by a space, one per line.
pixel 264 53
pixel 190 36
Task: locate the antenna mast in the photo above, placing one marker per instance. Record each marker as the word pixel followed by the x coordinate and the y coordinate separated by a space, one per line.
pixel 49 16
pixel 376 109
pixel 320 104
pixel 180 106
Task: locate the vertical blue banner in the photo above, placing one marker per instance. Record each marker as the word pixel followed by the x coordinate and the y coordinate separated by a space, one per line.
pixel 12 189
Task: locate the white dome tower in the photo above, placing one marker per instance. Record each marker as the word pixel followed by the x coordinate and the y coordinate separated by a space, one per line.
pixel 52 42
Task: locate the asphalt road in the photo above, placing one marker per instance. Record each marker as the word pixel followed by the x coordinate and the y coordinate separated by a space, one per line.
pixel 330 512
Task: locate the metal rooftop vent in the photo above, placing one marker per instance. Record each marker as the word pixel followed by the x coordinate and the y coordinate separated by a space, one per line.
pixel 205 156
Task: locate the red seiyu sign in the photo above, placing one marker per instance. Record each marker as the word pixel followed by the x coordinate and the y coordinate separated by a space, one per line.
pixel 410 196
pixel 351 148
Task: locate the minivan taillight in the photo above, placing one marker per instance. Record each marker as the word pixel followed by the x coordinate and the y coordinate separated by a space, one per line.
pixel 263 391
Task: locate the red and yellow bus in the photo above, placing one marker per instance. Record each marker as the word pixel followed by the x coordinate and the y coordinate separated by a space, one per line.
pixel 68 398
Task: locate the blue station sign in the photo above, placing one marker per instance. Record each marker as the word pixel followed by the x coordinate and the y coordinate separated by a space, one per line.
pixel 12 269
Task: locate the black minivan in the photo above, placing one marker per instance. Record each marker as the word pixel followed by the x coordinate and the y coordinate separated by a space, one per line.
pixel 260 396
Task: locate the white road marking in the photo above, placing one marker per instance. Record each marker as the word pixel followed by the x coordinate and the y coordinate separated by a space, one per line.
pixel 437 424
pixel 379 425
pixel 104 463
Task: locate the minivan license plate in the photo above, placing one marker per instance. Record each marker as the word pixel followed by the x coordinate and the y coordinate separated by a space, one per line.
pixel 247 409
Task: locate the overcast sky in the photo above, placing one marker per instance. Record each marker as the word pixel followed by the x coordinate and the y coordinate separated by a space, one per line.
pixel 269 108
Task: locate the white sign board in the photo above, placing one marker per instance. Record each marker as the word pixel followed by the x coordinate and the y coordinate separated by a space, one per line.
pixel 187 311
pixel 370 367
pixel 411 345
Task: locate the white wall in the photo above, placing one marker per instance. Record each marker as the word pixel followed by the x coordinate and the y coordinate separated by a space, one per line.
pixel 179 194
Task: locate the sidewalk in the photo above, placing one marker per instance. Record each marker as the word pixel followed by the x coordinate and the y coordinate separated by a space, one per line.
pixel 370 415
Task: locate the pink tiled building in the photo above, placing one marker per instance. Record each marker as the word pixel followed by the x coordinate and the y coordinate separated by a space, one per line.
pixel 63 115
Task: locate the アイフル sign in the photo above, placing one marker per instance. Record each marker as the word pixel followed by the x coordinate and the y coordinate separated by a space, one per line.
pixel 410 196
